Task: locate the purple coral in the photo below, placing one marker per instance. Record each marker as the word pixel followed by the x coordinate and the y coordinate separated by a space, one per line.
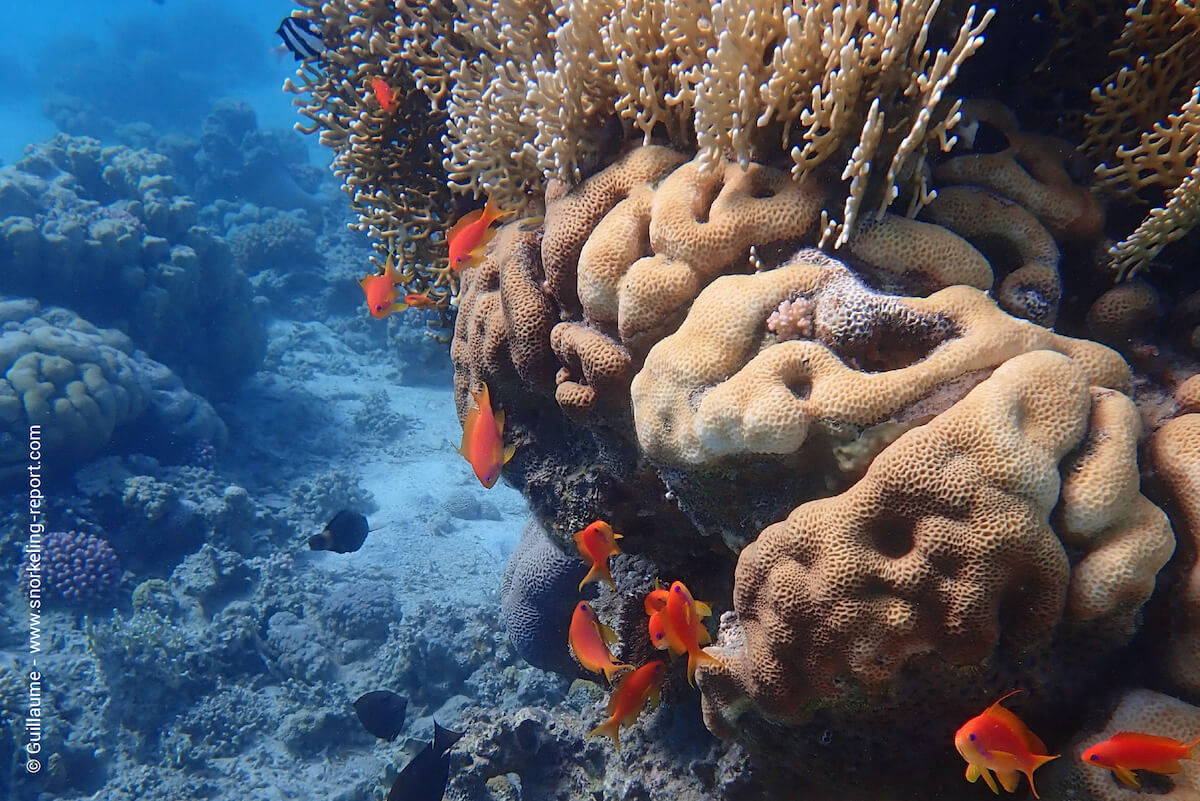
pixel 792 320
pixel 74 565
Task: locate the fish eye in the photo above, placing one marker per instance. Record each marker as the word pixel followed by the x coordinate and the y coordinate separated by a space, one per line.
pixel 1095 757
pixel 971 737
pixel 583 605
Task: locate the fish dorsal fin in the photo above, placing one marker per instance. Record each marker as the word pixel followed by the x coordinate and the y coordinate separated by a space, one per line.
pixel 390 271
pixel 462 223
pixel 1014 724
pixel 443 738
pixel 491 212
pixel 607 634
pixel 1010 721
pixel 509 450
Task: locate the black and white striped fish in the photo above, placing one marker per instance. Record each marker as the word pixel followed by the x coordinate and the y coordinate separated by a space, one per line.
pixel 302 37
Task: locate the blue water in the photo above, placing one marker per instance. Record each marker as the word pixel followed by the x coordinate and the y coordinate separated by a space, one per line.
pixel 134 60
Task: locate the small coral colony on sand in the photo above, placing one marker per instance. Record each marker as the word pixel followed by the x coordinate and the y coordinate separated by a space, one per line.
pixel 996 744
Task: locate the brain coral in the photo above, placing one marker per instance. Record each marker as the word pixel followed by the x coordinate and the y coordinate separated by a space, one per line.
pixel 81 384
pixel 536 594
pixel 947 545
pixel 126 252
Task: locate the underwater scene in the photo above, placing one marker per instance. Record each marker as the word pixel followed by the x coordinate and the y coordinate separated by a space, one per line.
pixel 600 400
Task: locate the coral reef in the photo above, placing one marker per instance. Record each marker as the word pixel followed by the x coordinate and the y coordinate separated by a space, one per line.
pixel 127 254
pixel 84 385
pixel 78 567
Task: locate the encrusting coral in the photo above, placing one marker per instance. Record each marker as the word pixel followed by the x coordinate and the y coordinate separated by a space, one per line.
pixel 718 387
pixel 943 547
pixel 1175 451
pixel 82 384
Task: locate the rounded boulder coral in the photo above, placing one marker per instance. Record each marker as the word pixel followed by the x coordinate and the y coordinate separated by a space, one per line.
pixel 75 566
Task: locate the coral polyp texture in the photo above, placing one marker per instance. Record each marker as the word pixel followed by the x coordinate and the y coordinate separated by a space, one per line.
pixel 948 534
pixel 81 385
pixel 723 385
pixel 1175 450
pixel 123 247
pixel 74 566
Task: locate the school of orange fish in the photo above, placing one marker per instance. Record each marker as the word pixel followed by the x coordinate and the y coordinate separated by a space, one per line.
pixel 996 744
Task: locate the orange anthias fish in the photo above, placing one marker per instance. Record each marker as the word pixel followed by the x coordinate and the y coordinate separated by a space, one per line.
pixel 381 292
pixel 591 640
pixel 596 543
pixel 996 740
pixel 421 301
pixel 1127 751
pixel 676 624
pixel 483 440
pixel 384 94
pixel 468 236
pixel 632 693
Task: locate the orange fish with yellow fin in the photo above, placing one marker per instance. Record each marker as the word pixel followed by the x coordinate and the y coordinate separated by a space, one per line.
pixel 380 289
pixel 596 543
pixel 676 624
pixel 590 642
pixel 1127 751
pixel 468 237
pixel 627 700
pixel 483 439
pixel 996 741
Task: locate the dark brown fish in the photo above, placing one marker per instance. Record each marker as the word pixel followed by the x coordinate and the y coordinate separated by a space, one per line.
pixel 424 777
pixel 345 533
pixel 381 712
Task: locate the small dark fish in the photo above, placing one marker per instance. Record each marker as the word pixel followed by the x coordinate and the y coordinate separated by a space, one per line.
pixel 302 37
pixel 381 712
pixel 346 533
pixel 424 777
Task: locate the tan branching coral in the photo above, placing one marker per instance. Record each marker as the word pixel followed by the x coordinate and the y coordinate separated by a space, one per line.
pixel 388 160
pixel 718 387
pixel 1145 125
pixel 742 80
pixel 944 546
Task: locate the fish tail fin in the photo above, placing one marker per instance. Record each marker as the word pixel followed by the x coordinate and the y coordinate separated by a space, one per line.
pixel 595 574
pixel 613 670
pixel 611 729
pixel 696 659
pixel 1038 761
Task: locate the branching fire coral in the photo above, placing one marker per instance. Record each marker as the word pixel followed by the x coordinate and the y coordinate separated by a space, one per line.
pixel 533 91
pixel 1145 125
pixel 386 159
